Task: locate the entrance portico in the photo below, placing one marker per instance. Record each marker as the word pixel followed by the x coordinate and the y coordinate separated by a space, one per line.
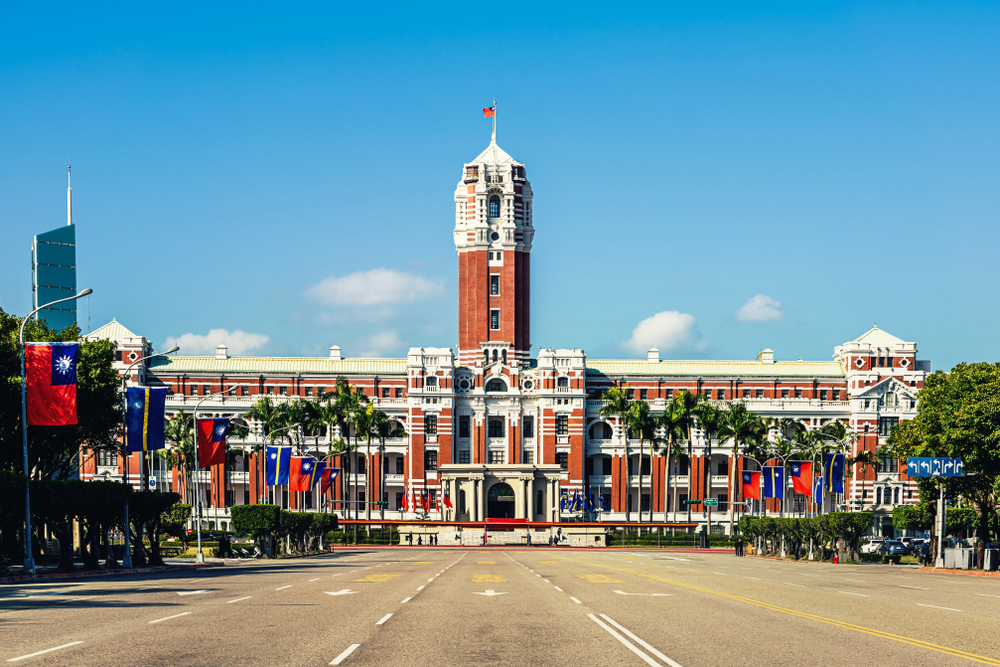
pixel 513 491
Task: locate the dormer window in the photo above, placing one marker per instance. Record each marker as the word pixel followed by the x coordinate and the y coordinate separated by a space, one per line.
pixel 472 173
pixel 494 206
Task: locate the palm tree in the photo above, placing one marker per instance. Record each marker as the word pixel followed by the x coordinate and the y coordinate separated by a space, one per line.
pixel 267 413
pixel 673 432
pixel 336 409
pixel 616 404
pixel 363 420
pixel 646 425
pixel 710 419
pixel 687 407
pixel 384 428
pixel 743 427
pixel 179 432
pixel 238 428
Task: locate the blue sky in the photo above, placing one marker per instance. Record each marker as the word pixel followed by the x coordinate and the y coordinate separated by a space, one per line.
pixel 712 178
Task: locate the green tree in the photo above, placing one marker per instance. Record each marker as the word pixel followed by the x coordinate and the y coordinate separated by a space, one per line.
pixel 616 404
pixel 744 428
pixel 959 416
pixel 672 424
pixel 850 527
pixel 711 420
pixel 174 521
pixel 384 428
pixel 643 423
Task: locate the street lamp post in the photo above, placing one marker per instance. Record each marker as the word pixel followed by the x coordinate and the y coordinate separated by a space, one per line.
pixel 29 560
pixel 197 468
pixel 127 560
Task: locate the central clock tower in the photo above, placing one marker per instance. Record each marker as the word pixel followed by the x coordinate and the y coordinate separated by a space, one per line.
pixel 493 233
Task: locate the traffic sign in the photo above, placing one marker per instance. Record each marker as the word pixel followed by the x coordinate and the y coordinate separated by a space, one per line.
pixel 690 502
pixel 934 466
pixel 711 502
pixel 152 483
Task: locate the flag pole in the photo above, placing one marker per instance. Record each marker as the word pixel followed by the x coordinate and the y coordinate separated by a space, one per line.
pixel 200 558
pixel 494 121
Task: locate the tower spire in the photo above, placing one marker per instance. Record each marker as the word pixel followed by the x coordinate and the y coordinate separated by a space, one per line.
pixel 69 194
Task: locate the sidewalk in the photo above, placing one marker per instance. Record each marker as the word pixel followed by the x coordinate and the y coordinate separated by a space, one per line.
pixel 91 574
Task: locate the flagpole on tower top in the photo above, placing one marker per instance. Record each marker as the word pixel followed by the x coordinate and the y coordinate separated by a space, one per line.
pixel 494 140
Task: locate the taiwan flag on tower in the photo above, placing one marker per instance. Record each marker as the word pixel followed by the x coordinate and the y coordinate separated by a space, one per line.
pixel 211 441
pixel 51 383
pixel 751 485
pixel 802 472
pixel 489 112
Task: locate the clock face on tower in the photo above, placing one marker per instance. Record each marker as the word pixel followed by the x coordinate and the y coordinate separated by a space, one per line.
pixel 495 236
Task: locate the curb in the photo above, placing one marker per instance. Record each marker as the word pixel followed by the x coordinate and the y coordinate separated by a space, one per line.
pixel 92 574
pixel 350 547
pixel 970 573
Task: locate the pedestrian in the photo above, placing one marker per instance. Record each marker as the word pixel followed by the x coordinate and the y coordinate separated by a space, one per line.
pixel 529 539
pixel 739 546
pixel 420 540
pixel 925 553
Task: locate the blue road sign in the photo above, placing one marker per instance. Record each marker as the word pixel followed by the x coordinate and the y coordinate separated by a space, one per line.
pixel 934 466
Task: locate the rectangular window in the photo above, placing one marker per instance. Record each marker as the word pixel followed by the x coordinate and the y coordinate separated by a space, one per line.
pixel 669 394
pixel 399 392
pixel 118 356
pixel 643 394
pixel 529 456
pixel 494 285
pixel 244 390
pixel 798 393
pixel 746 393
pixel 430 460
pixel 562 458
pixel 836 394
pixel 683 463
pixel 562 425
pixel 106 457
pixel 495 428
pixel 496 457
pixel 759 393
pixel 784 393
pixel 463 456
pixel 680 499
pixel 885 425
pixel 205 390
pixel 606 463
pixel 495 320
pixel 644 502
pixel 194 390
pixel 606 500
pixel 386 392
pixel 431 424
pixel 528 426
pixel 309 391
pixel 720 394
pixel 463 426
pixel 822 394
pixel 283 391
pixel 399 500
pixel 270 391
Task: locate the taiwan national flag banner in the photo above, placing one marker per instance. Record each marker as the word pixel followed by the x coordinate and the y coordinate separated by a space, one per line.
pixel 300 473
pixel 51 383
pixel 774 482
pixel 489 112
pixel 447 499
pixel 211 441
pixel 834 473
pixel 818 491
pixel 278 461
pixel 424 500
pixel 802 473
pixel 436 501
pixel 144 418
pixel 751 485
pixel 327 479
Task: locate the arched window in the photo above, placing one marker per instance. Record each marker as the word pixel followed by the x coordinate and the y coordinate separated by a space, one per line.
pixel 486 356
pixel 494 355
pixel 494 206
pixel 503 355
pixel 496 428
pixel 496 384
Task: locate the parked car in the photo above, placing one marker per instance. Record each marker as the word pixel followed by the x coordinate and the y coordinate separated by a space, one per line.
pixel 892 548
pixel 872 545
pixel 915 545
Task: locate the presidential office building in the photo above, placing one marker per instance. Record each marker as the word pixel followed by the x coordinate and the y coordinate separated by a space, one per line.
pixel 506 432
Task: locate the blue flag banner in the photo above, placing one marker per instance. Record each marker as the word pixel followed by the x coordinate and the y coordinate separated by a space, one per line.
pixel 318 469
pixel 934 466
pixel 144 418
pixel 588 502
pixel 774 482
pixel 818 491
pixel 279 461
pixel 563 500
pixel 833 472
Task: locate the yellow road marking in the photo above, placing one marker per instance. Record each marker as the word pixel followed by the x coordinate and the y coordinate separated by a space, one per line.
pixel 422 562
pixel 487 562
pixel 812 617
pixel 548 562
pixel 599 579
pixel 488 578
pixel 376 578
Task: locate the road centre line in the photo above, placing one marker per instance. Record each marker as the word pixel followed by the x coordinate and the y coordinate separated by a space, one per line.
pixel 916 588
pixel 420 588
pixel 934 606
pixel 796 585
pixel 406 600
pixel 48 650
pixel 169 617
pixel 575 600
pixel 284 587
pixel 559 589
pixel 629 645
pixel 812 617
pixel 312 580
pixel 240 599
pixel 75 599
pixel 640 641
pixel 343 656
pixel 860 595
pixel 987 595
pixel 384 619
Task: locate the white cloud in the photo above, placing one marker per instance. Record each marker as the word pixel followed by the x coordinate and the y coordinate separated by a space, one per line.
pixel 760 308
pixel 667 330
pixel 381 343
pixel 237 341
pixel 368 288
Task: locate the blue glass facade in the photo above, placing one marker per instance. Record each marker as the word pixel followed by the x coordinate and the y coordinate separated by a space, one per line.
pixel 53 275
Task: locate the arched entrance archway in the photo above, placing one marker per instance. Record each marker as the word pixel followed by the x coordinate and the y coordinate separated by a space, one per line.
pixel 500 502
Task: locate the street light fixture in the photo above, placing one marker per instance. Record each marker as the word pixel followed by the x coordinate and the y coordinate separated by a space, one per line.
pixel 29 561
pixel 127 560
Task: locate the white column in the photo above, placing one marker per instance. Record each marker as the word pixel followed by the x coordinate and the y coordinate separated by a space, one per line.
pixel 519 499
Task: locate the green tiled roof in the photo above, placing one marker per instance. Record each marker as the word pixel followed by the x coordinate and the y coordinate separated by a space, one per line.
pixel 278 366
pixel 614 367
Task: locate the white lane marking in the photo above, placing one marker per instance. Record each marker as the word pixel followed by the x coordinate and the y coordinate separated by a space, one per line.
pixel 640 641
pixel 796 585
pixel 916 588
pixel 312 580
pixel 420 588
pixel 75 599
pixel 48 650
pixel 722 574
pixel 406 600
pixel 648 595
pixel 197 580
pixel 559 589
pixel 284 587
pixel 629 645
pixel 754 578
pixel 204 590
pixel 343 656
pixel 934 606
pixel 169 617
pixel 575 600
pixel 240 599
pixel 982 595
pixel 346 591
pixel 430 580
pixel 860 595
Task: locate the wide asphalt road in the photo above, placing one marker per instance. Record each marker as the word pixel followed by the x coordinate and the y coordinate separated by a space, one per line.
pixel 540 606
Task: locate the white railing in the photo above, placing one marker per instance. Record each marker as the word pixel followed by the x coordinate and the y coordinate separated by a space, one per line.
pixel 720 479
pixel 633 480
pixel 600 480
pixel 394 479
